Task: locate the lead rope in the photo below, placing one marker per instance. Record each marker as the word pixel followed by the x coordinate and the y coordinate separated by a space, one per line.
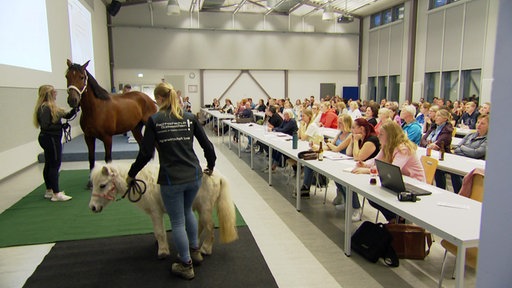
pixel 66 127
pixel 135 190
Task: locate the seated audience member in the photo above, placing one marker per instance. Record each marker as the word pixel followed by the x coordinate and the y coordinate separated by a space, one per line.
pixel 308 131
pixel 315 108
pixel 340 144
pixel 252 104
pixel 341 108
pixel 468 119
pixel 215 104
pixel 354 110
pixel 423 111
pixel 288 126
pixel 273 120
pixel 438 137
pixel 297 110
pixel 485 109
pixel 384 115
pixel 261 106
pixel 364 144
pixel 457 111
pixel 397 150
pixel 411 127
pixel 187 106
pixel 372 112
pixel 430 117
pixel 328 117
pixel 228 107
pixel 473 145
pixel 393 106
pixel 126 88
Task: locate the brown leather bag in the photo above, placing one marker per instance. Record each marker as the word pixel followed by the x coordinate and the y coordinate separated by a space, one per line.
pixel 410 241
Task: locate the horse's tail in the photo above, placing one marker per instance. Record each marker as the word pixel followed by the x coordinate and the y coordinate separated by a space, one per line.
pixel 226 213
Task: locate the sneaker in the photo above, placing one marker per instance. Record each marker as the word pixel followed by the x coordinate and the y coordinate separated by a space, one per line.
pixel 304 189
pixel 303 195
pixel 48 194
pixel 356 215
pixel 340 207
pixel 60 197
pixel 197 257
pixel 185 271
pixel 338 200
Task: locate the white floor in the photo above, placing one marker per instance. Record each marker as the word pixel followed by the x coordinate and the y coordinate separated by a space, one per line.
pixel 301 249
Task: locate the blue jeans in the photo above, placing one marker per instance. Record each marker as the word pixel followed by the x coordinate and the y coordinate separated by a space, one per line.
pixel 355 200
pixel 178 203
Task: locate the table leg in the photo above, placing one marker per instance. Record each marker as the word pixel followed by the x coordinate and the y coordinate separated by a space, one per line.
pixel 348 220
pixel 229 137
pixel 270 150
pixel 252 155
pixel 297 186
pixel 459 266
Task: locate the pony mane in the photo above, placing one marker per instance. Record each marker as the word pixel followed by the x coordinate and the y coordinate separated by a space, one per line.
pixel 98 91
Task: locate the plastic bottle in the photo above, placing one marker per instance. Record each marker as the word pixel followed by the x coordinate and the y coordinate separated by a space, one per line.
pixel 320 153
pixel 373 175
pixel 429 149
pixel 441 151
pixel 295 140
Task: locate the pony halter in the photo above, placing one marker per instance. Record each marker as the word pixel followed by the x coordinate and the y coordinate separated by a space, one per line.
pixel 80 92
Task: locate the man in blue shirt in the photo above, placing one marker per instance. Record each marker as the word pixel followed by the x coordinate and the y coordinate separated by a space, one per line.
pixel 468 119
pixel 411 127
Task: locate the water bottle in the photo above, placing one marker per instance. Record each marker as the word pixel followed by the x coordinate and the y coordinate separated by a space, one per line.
pixel 295 140
pixel 373 175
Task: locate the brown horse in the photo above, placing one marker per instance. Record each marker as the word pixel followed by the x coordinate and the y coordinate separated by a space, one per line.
pixel 104 115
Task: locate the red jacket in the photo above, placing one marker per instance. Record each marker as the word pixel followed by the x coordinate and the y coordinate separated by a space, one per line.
pixel 329 119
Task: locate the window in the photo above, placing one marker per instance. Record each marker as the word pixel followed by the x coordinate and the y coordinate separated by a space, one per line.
pixel 431 86
pixel 438 3
pixel 471 83
pixel 394 87
pixel 387 16
pixel 450 84
pixel 382 88
pixel 372 89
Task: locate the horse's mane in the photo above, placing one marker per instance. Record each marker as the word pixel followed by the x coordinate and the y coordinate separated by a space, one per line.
pixel 97 90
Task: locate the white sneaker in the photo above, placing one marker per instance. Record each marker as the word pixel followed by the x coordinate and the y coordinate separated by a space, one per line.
pixel 48 194
pixel 340 207
pixel 356 215
pixel 60 197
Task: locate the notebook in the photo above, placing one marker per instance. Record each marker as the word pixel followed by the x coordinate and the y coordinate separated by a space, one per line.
pixel 391 177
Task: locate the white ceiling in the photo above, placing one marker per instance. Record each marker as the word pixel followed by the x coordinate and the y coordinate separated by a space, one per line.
pixel 358 8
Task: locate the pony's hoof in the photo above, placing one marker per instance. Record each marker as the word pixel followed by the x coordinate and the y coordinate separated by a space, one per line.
pixel 205 251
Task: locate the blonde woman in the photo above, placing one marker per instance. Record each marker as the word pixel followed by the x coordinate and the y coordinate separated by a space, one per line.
pixel 174 130
pixel 354 110
pixel 310 132
pixel 384 115
pixel 47 116
pixel 398 150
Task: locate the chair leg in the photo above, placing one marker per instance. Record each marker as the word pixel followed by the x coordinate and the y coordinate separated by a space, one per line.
pixel 325 194
pixel 454 270
pixel 442 269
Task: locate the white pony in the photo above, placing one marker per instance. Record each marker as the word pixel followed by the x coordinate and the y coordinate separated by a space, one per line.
pixel 109 180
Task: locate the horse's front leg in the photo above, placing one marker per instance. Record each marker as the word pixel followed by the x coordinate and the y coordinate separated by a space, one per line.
pixel 91 147
pixel 107 142
pixel 160 234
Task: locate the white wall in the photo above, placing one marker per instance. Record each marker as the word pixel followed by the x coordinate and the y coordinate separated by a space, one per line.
pixel 18 86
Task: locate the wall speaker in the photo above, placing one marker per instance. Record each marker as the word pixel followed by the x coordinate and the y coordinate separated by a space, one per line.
pixel 113 7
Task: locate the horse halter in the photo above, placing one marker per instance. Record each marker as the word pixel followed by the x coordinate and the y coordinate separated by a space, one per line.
pixel 111 193
pixel 80 92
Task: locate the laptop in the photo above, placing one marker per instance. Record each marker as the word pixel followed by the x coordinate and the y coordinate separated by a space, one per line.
pixel 391 177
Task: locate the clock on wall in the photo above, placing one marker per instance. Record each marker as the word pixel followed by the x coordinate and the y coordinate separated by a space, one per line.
pixel 191 75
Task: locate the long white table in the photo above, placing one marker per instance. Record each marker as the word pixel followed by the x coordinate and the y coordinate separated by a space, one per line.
pixel 454 163
pixel 461 226
pixel 216 114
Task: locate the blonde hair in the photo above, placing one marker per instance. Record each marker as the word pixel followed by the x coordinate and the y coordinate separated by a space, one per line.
pixel 170 100
pixel 347 122
pixel 308 113
pixel 395 137
pixel 45 98
pixel 445 113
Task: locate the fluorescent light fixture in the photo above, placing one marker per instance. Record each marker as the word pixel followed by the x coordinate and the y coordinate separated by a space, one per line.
pixel 328 14
pixel 173 7
pixel 140 75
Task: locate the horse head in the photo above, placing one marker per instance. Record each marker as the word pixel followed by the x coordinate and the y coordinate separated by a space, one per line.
pixel 76 77
pixel 106 182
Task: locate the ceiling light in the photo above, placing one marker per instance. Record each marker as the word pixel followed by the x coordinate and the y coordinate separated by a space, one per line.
pixel 328 14
pixel 173 7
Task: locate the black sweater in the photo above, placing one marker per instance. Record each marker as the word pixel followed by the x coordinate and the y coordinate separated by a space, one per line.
pixel 44 118
pixel 174 137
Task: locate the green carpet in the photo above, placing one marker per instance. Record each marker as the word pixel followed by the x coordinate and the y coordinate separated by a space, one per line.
pixel 35 220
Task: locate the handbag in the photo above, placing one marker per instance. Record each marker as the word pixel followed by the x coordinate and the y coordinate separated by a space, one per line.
pixel 308 155
pixel 239 119
pixel 373 241
pixel 410 241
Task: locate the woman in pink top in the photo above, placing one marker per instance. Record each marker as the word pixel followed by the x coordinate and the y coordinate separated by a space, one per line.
pixel 398 150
